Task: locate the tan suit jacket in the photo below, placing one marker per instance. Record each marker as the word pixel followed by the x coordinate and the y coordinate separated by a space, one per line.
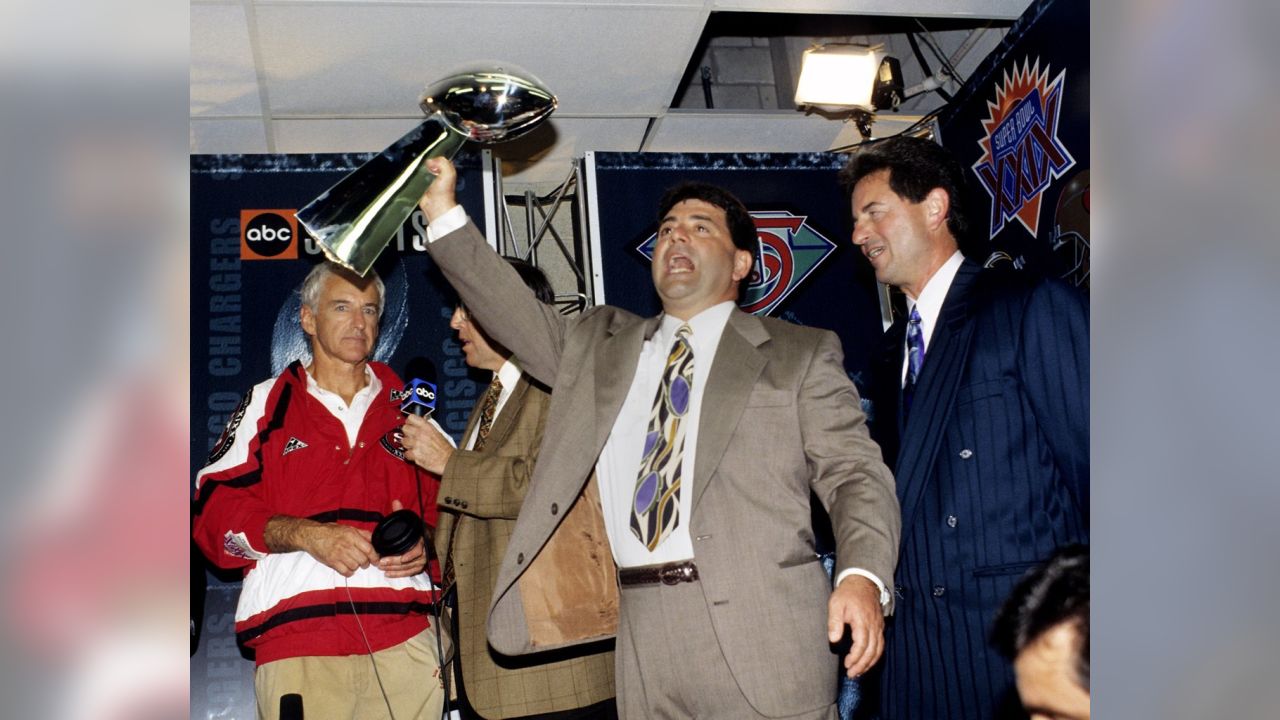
pixel 780 418
pixel 480 495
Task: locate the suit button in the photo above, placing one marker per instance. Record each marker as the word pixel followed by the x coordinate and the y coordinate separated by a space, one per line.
pixel 448 501
pixel 555 509
pixel 965 454
pixel 939 591
pixel 519 558
pixel 951 521
pixel 463 503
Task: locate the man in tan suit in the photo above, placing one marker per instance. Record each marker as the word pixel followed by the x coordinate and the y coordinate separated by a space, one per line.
pixel 482 487
pixel 709 428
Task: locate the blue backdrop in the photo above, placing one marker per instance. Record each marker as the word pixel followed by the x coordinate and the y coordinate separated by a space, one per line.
pixel 1021 124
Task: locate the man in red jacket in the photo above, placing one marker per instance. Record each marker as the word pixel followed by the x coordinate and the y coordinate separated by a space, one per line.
pixel 307 466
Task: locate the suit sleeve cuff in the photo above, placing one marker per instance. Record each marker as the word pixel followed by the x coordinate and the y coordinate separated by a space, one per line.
pixel 884 592
pixel 453 219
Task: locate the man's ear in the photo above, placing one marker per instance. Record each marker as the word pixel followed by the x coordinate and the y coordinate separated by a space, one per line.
pixel 742 260
pixel 937 205
pixel 308 320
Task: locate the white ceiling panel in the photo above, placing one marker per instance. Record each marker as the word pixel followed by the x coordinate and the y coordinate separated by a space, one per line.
pixel 223 78
pixel 375 59
pixel 320 135
pixel 542 160
pixel 228 135
pixel 773 131
pixel 884 126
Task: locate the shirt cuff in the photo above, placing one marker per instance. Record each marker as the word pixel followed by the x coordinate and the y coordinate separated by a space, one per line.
pixel 452 219
pixel 884 592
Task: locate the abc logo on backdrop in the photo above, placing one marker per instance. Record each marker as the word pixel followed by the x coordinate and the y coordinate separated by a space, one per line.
pixel 268 235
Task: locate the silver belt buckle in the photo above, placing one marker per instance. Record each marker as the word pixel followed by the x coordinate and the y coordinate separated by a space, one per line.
pixel 675 575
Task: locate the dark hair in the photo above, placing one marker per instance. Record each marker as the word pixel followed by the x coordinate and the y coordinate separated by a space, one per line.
pixel 1054 593
pixel 915 167
pixel 534 279
pixel 742 229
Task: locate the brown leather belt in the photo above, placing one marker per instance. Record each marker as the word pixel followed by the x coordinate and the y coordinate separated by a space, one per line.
pixel 667 574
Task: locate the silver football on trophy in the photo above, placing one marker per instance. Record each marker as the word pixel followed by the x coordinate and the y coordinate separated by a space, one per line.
pixel 355 219
pixel 490 105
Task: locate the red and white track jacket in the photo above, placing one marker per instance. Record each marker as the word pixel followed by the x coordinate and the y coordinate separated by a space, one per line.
pixel 284 453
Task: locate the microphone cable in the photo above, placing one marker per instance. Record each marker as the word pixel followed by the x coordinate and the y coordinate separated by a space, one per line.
pixel 365 637
pixel 435 615
pixel 435 607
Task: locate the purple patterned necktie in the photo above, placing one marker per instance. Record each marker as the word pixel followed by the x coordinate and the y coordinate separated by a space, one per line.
pixel 915 358
pixel 655 508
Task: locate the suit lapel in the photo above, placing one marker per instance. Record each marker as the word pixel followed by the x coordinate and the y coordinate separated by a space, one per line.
pixel 616 360
pixel 940 377
pixel 888 392
pixel 734 372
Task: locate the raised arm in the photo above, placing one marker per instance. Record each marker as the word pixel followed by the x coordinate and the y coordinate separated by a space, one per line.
pixel 492 291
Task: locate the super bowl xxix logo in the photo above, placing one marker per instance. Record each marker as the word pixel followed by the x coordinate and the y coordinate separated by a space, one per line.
pixel 790 250
pixel 1021 150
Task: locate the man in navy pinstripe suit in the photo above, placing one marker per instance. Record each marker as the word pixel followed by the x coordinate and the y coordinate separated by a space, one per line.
pixel 982 408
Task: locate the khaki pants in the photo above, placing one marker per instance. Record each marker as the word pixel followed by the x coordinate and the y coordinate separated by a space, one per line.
pixel 346 687
pixel 665 673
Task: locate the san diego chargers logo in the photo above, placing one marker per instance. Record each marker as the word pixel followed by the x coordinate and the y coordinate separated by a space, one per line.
pixel 1021 153
pixel 790 250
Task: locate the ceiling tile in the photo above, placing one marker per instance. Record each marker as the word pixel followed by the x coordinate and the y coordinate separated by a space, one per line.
pixel 223 79
pixel 775 131
pixel 542 159
pixel 375 60
pixel 320 135
pixel 228 135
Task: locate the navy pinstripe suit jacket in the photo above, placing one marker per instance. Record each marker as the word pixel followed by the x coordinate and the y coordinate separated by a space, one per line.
pixel 992 470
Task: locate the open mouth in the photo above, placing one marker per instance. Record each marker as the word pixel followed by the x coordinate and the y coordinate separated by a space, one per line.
pixel 679 264
pixel 875 252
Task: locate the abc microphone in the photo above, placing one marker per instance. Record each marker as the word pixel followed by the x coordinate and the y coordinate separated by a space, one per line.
pixel 419 398
pixel 398 532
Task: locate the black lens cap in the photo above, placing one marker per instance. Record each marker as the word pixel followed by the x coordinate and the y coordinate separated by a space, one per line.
pixel 397 533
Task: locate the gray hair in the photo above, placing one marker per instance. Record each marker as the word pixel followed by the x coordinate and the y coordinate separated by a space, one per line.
pixel 311 287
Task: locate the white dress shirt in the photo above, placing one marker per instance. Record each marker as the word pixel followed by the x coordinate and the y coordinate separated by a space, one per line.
pixel 619 463
pixel 509 374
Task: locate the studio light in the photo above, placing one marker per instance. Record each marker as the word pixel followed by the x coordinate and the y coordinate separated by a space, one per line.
pixel 850 81
pixel 837 77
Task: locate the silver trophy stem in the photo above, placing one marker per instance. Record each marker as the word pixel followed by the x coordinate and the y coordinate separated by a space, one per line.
pixel 354 220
